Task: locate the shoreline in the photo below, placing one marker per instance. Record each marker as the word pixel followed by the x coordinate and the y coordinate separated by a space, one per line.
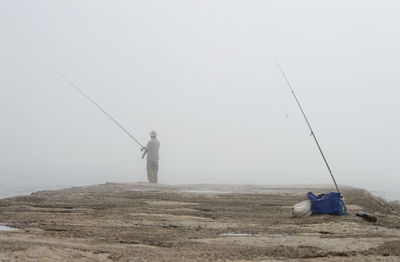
pixel 9 191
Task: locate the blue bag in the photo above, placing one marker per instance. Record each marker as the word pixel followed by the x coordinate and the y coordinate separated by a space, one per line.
pixel 330 203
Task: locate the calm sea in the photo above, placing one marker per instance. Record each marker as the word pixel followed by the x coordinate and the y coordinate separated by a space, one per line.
pixel 388 195
pixel 11 190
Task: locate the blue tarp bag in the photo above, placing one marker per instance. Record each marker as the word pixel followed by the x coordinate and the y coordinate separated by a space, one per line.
pixel 330 203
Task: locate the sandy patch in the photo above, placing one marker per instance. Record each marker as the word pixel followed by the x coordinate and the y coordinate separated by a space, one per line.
pixel 325 244
pixel 49 254
pixel 170 217
pixel 169 203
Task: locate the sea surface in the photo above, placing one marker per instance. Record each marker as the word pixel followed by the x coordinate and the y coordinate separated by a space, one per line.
pixel 387 195
pixel 15 190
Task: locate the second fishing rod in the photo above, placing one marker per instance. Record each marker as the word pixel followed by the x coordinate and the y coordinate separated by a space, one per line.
pixel 312 132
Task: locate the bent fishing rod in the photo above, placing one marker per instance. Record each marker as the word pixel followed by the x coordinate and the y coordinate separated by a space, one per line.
pixel 311 130
pixel 99 107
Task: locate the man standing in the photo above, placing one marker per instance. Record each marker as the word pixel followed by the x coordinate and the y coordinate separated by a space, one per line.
pixel 152 148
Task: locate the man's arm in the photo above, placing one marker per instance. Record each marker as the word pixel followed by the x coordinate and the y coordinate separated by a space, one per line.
pixel 145 149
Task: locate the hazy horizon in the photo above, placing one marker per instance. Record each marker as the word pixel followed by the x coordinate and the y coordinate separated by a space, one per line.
pixel 201 74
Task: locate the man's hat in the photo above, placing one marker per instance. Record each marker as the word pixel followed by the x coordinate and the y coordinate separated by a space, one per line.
pixel 153 133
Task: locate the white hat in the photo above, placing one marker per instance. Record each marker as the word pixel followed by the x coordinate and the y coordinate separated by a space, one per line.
pixel 153 133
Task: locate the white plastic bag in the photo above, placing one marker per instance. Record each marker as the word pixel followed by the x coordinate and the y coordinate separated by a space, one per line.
pixel 302 209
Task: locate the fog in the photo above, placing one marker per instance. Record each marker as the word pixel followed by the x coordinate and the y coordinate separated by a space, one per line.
pixel 202 74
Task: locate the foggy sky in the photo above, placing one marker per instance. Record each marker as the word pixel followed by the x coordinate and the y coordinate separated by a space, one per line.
pixel 202 74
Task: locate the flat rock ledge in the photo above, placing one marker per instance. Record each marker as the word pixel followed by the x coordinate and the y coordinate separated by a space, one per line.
pixel 144 222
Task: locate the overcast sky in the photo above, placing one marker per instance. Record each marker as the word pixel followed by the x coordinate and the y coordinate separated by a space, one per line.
pixel 202 74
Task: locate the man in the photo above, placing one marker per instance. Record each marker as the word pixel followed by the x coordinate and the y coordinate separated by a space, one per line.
pixel 152 148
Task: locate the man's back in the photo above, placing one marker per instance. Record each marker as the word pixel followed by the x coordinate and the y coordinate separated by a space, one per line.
pixel 153 147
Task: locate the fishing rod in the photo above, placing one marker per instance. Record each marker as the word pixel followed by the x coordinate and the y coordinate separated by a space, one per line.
pixel 311 130
pixel 94 103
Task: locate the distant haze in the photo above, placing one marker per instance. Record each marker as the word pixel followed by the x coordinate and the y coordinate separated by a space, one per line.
pixel 202 74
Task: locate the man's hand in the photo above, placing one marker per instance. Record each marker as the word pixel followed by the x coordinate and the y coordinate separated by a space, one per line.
pixel 143 148
pixel 144 153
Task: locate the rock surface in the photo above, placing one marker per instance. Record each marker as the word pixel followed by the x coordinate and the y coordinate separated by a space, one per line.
pixel 144 222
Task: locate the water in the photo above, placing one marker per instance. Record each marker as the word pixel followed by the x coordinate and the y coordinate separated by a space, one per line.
pixel 387 195
pixel 6 228
pixel 14 190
